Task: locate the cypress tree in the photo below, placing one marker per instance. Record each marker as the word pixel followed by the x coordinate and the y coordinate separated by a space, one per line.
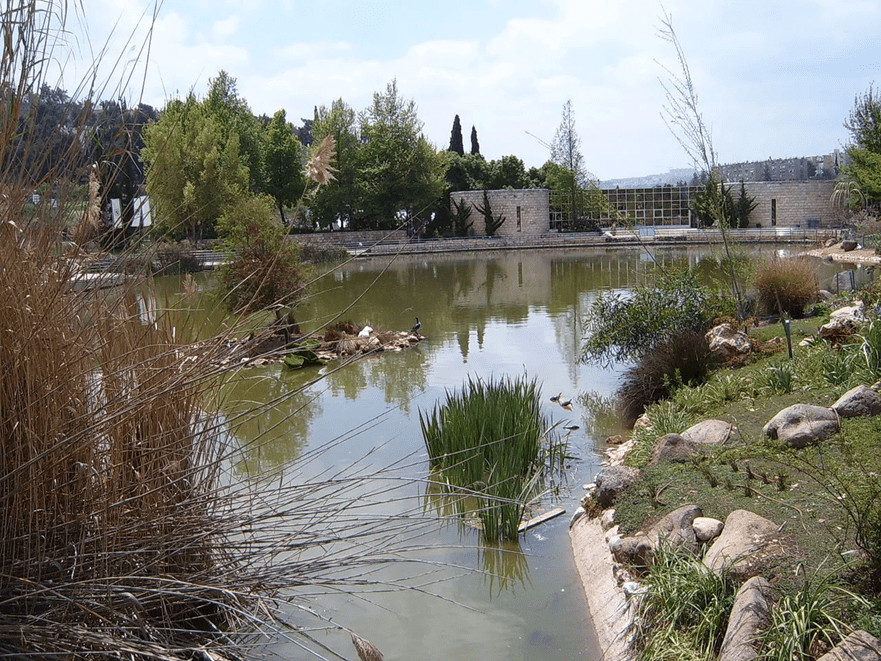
pixel 456 143
pixel 475 146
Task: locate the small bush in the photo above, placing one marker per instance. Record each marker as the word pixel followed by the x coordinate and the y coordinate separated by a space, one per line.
pixel 786 286
pixel 683 359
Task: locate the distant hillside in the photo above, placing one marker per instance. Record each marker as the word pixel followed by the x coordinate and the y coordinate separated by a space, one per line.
pixel 673 177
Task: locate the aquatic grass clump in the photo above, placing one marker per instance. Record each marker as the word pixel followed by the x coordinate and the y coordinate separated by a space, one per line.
pixel 491 440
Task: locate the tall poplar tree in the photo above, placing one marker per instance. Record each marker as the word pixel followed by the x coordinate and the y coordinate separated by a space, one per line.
pixel 475 146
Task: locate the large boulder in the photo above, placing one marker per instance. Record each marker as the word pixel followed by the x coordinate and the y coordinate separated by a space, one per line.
pixel 677 528
pixel 727 343
pixel 861 401
pixel 634 550
pixel 801 425
pixel 672 448
pixel 849 244
pixel 750 616
pixel 843 323
pixel 858 646
pixel 710 432
pixel 611 481
pixel 747 546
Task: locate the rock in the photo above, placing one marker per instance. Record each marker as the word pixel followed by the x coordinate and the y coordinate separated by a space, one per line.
pixel 843 281
pixel 727 343
pixel 577 514
pixel 829 243
pixel 672 448
pixel 616 439
pixel 706 528
pixel 858 646
pixel 849 244
pixel 747 542
pixel 636 550
pixel 611 534
pixel 710 432
pixel 843 323
pixel 803 424
pixel 825 295
pixel 642 422
pixel 612 481
pixel 861 401
pixel 677 528
pixel 607 520
pixel 750 615
pixel 615 456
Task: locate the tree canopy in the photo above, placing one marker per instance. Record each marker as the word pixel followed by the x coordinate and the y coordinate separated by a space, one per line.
pixel 864 124
pixel 456 143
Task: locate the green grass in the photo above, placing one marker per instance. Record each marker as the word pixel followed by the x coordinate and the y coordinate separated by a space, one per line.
pixel 490 448
pixel 828 497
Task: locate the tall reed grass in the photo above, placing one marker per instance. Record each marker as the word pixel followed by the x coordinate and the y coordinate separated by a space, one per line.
pixel 491 442
pixel 124 531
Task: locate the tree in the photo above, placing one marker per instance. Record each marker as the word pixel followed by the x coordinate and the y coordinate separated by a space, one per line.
pixel 566 147
pixel 466 172
pixel 743 207
pixel 475 146
pixel 714 203
pixel 864 121
pixel 456 144
pixel 401 174
pixel 507 172
pixel 340 198
pixel 193 171
pixel 235 117
pixel 491 222
pixel 461 217
pixel 282 161
pixel 864 124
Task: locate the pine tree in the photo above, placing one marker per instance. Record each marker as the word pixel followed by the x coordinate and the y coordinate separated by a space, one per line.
pixel 475 146
pixel 456 143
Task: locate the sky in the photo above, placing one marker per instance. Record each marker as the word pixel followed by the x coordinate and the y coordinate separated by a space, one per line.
pixel 774 78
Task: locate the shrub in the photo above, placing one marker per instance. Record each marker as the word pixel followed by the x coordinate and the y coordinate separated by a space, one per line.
pixel 682 359
pixel 624 328
pixel 786 286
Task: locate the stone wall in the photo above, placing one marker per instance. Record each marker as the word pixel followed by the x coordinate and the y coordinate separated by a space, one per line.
pixel 525 210
pixel 805 204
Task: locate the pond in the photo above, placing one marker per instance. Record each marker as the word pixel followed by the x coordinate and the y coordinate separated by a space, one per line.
pixel 486 315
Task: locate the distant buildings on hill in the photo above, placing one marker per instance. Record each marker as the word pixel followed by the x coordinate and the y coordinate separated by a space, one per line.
pixel 805 168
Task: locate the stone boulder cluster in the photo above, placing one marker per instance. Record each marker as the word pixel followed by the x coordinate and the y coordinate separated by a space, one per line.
pixel 746 546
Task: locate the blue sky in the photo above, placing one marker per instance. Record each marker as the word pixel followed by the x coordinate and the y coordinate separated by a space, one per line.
pixel 775 78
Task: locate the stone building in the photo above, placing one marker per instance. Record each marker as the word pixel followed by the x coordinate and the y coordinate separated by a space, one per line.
pixel 526 210
pixel 804 204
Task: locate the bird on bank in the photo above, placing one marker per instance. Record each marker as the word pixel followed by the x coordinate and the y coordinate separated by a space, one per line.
pixel 571 427
pixel 416 326
pixel 556 398
pixel 567 404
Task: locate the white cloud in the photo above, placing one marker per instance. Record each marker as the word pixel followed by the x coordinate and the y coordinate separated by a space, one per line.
pixel 226 27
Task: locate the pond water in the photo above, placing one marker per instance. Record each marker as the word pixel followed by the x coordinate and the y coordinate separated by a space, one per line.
pixel 485 315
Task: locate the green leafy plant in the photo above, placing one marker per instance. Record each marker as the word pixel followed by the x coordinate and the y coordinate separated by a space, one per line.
pixel 811 615
pixel 684 611
pixel 490 448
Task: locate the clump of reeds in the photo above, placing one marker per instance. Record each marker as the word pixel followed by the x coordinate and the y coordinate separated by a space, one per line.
pixel 125 531
pixel 491 442
pixel 786 286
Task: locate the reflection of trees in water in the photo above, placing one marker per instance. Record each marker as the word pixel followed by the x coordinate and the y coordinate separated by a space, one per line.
pixel 505 567
pixel 269 415
pixel 399 375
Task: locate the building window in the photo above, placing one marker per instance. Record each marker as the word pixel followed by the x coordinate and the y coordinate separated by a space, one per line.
pixel 518 219
pixel 773 212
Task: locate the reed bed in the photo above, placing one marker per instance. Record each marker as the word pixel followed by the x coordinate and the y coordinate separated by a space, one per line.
pixel 125 531
pixel 490 448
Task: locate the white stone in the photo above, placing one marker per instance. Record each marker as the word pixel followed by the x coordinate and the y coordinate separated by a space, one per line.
pixel 706 528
